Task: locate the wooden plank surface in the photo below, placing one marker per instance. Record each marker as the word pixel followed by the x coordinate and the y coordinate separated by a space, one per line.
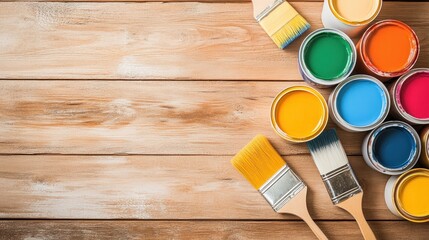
pixel 201 230
pixel 208 1
pixel 154 117
pixel 204 41
pixel 160 187
pixel 76 135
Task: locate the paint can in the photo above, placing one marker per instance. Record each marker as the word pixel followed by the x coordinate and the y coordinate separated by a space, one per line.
pixel 326 57
pixel 360 103
pixel 424 156
pixel 392 148
pixel 410 96
pixel 387 49
pixel 351 17
pixel 407 196
pixel 299 114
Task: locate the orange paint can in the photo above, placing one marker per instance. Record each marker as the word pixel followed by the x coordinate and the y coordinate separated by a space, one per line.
pixel 387 49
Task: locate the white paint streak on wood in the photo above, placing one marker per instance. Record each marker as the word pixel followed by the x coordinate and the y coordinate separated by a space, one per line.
pixel 159 187
pixel 131 67
pixel 206 41
pixel 159 117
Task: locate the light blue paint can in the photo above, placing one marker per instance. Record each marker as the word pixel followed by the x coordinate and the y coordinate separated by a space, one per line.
pixel 360 103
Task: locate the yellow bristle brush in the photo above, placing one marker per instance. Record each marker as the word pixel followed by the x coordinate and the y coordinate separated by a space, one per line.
pixel 263 167
pixel 279 20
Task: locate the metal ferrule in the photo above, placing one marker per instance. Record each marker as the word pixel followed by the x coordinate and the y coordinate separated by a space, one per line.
pixel 281 188
pixel 268 10
pixel 341 184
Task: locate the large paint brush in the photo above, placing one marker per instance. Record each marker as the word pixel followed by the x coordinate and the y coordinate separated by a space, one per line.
pixel 338 177
pixel 279 20
pixel 263 167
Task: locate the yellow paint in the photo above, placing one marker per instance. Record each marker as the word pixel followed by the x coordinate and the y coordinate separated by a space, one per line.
pixel 283 24
pixel 300 113
pixel 356 11
pixel 258 161
pixel 277 18
pixel 413 195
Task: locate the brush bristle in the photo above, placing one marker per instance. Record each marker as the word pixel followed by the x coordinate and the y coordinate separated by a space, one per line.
pixel 289 32
pixel 327 152
pixel 258 161
pixel 284 24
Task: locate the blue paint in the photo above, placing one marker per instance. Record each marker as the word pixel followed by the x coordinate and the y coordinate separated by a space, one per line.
pixel 361 102
pixel 394 147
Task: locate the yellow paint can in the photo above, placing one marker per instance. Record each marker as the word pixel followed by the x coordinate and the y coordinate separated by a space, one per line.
pixel 407 196
pixel 299 114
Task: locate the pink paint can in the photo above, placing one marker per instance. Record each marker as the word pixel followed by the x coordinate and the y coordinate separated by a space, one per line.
pixel 410 96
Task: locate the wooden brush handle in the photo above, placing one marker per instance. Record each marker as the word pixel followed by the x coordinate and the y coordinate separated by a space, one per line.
pixel 298 207
pixel 316 230
pixel 353 205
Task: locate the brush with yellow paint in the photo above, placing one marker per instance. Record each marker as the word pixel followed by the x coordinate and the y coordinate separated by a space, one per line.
pixel 279 20
pixel 263 167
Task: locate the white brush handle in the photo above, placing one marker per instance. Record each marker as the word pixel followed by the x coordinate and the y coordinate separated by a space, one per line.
pixel 260 5
pixel 298 207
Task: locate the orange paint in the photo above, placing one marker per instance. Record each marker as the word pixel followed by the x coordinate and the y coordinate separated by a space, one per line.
pixel 389 48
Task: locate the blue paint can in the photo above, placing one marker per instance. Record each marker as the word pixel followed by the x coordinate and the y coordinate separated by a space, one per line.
pixel 392 148
pixel 360 103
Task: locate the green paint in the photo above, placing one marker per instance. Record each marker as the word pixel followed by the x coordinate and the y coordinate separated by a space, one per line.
pixel 328 56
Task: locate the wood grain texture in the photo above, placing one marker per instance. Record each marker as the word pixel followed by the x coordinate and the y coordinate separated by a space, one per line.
pixel 113 117
pixel 208 1
pixel 173 187
pixel 214 230
pixel 161 187
pixel 203 42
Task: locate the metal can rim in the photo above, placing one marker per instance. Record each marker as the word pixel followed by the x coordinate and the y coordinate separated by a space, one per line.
pixel 395 195
pixel 396 96
pixel 366 60
pixel 343 122
pixel 306 71
pixel 280 95
pixel 355 23
pixel 424 156
pixel 371 155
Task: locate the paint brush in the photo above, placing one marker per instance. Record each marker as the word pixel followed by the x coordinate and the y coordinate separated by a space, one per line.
pixel 263 167
pixel 279 20
pixel 338 177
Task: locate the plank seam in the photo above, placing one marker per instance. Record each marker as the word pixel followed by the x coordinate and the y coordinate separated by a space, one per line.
pixel 191 220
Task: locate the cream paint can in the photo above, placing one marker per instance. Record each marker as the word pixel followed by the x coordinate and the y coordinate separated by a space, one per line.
pixel 407 196
pixel 350 16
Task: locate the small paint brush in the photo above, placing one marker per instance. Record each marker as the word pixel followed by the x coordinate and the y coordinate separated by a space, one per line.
pixel 279 20
pixel 263 167
pixel 338 177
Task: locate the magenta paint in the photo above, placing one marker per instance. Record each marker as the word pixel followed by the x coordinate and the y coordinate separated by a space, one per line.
pixel 410 96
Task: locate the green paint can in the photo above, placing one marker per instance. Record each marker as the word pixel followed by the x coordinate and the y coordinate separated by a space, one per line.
pixel 326 57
